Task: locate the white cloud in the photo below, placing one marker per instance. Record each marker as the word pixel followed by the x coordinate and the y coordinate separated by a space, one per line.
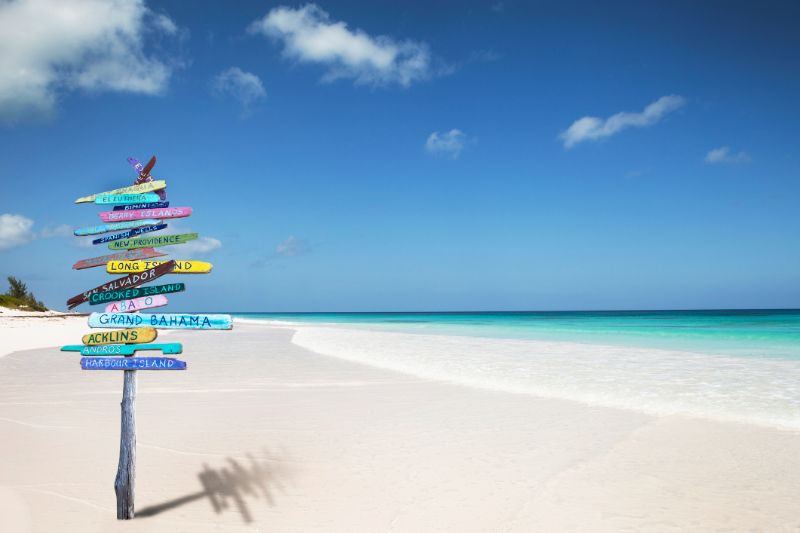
pixel 190 249
pixel 451 142
pixel 201 245
pixel 61 230
pixel 84 242
pixel 165 24
pixel 594 128
pixel 244 86
pixel 48 47
pixel 292 247
pixel 309 35
pixel 15 230
pixel 723 155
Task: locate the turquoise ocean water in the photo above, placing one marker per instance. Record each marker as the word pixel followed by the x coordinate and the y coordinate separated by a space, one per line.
pixel 747 333
pixel 741 366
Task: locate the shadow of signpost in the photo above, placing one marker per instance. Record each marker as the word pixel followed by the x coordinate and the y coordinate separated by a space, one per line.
pixel 230 484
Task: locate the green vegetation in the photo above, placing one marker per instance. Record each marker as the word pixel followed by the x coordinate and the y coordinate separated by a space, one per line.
pixel 19 297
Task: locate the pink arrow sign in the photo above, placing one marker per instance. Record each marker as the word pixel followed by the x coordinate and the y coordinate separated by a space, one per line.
pixel 136 304
pixel 141 214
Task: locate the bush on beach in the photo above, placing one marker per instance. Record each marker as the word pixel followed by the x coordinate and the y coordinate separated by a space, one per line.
pixel 19 297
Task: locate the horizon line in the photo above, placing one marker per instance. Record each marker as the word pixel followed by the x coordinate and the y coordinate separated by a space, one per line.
pixel 531 311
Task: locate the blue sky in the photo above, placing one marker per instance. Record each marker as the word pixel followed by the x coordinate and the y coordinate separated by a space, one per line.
pixel 363 156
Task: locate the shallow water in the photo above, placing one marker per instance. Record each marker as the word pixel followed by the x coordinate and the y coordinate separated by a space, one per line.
pixel 730 365
pixel 758 333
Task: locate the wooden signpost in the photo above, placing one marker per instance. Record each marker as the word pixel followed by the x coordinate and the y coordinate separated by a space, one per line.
pixel 144 198
pixel 133 189
pixel 137 211
pixel 127 282
pixel 129 255
pixel 182 267
pixel 121 336
pixel 136 292
pixel 123 349
pixel 115 226
pixel 152 242
pixel 137 304
pixel 130 233
pixel 140 214
pixel 152 205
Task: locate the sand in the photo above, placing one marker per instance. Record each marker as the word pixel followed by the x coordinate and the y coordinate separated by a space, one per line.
pixel 24 330
pixel 262 435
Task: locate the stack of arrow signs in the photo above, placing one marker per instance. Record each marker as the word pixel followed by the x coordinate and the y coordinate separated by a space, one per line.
pixel 136 211
pixel 131 222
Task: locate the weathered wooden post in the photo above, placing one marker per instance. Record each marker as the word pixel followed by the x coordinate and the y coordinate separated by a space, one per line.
pixel 125 483
pixel 137 210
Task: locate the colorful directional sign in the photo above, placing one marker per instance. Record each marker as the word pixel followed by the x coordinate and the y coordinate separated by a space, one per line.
pixel 137 304
pixel 128 234
pixel 151 205
pixel 128 255
pixel 115 226
pixel 105 199
pixel 127 282
pixel 133 189
pixel 150 242
pixel 144 173
pixel 160 320
pixel 140 214
pixel 142 170
pixel 132 363
pixel 133 212
pixel 182 267
pixel 121 336
pixel 123 349
pixel 137 292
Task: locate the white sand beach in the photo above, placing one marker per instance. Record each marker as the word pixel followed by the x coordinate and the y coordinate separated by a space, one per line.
pixel 25 330
pixel 262 435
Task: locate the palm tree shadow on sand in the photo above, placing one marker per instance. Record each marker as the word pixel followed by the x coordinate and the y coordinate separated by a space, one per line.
pixel 227 486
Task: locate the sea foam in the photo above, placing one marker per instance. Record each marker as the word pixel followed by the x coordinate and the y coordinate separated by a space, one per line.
pixel 655 381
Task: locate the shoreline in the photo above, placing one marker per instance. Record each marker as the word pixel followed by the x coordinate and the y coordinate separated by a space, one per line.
pixel 27 333
pixel 654 381
pixel 298 441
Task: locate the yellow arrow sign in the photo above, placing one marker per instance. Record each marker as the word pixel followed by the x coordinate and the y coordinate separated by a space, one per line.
pixel 133 189
pixel 121 336
pixel 182 267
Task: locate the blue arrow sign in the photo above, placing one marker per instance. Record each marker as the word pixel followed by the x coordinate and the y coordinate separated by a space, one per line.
pixel 122 349
pixel 160 320
pixel 132 363
pixel 150 205
pixel 130 233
